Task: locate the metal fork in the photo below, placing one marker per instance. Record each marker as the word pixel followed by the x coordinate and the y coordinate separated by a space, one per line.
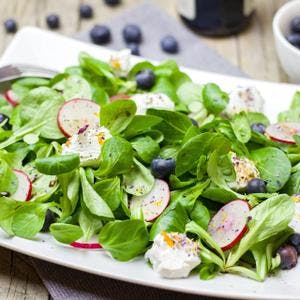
pixel 15 71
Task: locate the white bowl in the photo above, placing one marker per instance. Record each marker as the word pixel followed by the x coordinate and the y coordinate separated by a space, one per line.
pixel 288 54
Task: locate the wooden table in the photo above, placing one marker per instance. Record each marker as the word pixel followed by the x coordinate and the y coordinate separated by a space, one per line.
pixel 253 51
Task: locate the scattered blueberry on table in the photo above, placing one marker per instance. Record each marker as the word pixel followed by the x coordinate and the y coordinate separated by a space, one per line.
pixel 169 44
pixel 10 25
pixel 53 21
pixel 112 2
pixel 294 36
pixel 256 185
pixel 162 168
pixel 258 127
pixel 85 11
pixel 100 34
pixel 132 33
pixel 145 79
pixel 134 48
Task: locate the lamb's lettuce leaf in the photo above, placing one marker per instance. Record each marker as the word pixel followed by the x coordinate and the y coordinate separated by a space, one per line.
pixel 265 220
pixel 124 239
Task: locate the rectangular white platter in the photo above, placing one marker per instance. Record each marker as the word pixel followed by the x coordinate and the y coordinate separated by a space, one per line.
pixel 38 47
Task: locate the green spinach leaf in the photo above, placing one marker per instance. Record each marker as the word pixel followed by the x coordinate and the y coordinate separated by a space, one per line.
pixel 173 126
pixel 110 190
pixel 173 219
pixel 140 125
pixel 55 165
pixel 266 220
pixel 66 233
pixel 124 239
pixel 241 127
pixel 116 157
pixel 92 199
pixel 274 167
pixel 214 99
pixel 117 115
pixel 139 180
pixel 146 148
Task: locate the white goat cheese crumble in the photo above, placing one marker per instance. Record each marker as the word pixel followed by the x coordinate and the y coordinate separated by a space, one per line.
pixel 246 99
pixel 245 170
pixel 173 255
pixel 87 143
pixel 152 100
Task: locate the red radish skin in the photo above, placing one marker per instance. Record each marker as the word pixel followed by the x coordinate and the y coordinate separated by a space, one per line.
pixel 229 224
pixel 24 190
pixel 153 203
pixel 119 97
pixel 11 97
pixel 77 113
pixel 283 132
pixel 90 245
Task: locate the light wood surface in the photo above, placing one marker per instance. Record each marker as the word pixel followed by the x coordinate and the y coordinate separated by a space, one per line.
pixel 253 51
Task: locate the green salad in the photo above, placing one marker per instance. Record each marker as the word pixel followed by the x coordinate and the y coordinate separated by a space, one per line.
pixel 141 160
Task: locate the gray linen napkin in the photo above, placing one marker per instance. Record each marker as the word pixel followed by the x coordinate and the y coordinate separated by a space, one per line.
pixel 64 283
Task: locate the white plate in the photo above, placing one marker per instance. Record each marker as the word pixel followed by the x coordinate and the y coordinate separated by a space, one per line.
pixel 34 46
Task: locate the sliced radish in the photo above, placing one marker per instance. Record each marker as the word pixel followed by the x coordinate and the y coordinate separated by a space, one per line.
pixel 229 224
pixel 92 244
pixel 119 97
pixel 77 113
pixel 153 203
pixel 23 192
pixel 11 98
pixel 283 132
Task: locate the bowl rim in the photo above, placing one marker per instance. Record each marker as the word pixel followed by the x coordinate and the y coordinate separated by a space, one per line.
pixel 275 24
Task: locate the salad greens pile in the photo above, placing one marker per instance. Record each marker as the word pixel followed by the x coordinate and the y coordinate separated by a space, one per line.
pixel 94 200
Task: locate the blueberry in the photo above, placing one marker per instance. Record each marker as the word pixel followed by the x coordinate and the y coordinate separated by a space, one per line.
pixel 288 256
pixel 85 11
pixel 53 21
pixel 294 240
pixel 100 34
pixel 134 48
pixel 169 44
pixel 194 122
pixel 5 119
pixel 294 39
pixel 111 2
pixel 295 24
pixel 132 34
pixel 49 219
pixel 162 168
pixel 256 185
pixel 145 79
pixel 10 25
pixel 258 127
